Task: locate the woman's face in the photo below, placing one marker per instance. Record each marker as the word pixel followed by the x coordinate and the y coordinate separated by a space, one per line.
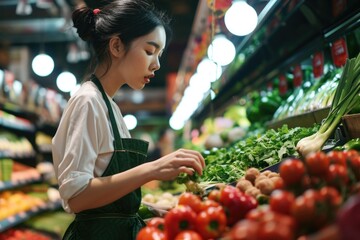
pixel 142 59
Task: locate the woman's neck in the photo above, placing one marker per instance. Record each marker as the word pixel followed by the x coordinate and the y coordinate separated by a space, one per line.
pixel 109 81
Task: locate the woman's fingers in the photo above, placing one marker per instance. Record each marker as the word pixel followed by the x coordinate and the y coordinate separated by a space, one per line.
pixel 190 160
pixel 197 154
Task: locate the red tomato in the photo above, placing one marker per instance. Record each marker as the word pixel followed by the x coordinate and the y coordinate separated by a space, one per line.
pixel 274 230
pixel 337 157
pixel 236 203
pixel 292 171
pixel 257 214
pixel 337 175
pixel 331 196
pixel 317 163
pixel 209 203
pixel 211 223
pixel 188 235
pixel 214 195
pixel 157 222
pixel 303 210
pixel 351 153
pixel 150 233
pixel 179 219
pixel 244 230
pixel 281 201
pixel 354 163
pixel 191 200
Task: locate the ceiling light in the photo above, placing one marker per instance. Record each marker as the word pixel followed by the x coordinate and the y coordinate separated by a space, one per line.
pixel 43 65
pixel 130 121
pixel 209 69
pixel 66 81
pixel 221 50
pixel 241 19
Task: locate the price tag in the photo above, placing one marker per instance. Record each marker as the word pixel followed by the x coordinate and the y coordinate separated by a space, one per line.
pixel 339 52
pixel 318 64
pixel 298 76
pixel 282 84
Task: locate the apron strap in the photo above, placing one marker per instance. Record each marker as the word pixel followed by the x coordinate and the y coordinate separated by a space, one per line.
pixel 117 142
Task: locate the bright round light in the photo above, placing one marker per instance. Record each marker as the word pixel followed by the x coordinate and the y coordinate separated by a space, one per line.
pixel 66 81
pixel 198 82
pixel 221 50
pixel 241 19
pixel 42 65
pixel 209 69
pixel 176 123
pixel 130 121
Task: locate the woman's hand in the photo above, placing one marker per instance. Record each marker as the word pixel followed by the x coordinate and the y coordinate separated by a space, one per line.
pixel 170 166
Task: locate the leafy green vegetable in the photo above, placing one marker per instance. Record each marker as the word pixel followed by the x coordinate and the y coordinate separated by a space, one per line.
pixel 229 164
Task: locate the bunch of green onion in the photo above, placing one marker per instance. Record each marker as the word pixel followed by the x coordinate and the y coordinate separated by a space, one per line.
pixel 347 96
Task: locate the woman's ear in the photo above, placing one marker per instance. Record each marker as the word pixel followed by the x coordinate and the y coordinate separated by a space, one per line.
pixel 116 47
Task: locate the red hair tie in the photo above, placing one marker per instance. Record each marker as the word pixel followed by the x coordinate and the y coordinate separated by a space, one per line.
pixel 96 11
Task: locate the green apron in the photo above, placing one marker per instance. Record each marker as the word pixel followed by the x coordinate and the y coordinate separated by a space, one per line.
pixel 118 220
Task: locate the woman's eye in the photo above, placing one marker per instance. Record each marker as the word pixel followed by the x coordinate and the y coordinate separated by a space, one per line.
pixel 149 53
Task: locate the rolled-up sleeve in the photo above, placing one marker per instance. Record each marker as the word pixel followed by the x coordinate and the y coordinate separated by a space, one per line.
pixel 75 148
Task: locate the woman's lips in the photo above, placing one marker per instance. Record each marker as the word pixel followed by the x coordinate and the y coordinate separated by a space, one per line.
pixel 147 78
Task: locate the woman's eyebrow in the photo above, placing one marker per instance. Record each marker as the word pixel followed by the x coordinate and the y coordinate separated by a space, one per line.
pixel 153 44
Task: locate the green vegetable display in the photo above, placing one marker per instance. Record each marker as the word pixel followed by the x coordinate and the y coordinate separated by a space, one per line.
pixel 229 164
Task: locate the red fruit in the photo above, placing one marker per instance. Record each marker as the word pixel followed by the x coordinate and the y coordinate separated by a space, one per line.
pixel 281 201
pixel 150 233
pixel 317 163
pixel 292 171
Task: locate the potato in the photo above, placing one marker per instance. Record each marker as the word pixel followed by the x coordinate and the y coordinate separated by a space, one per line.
pixel 243 185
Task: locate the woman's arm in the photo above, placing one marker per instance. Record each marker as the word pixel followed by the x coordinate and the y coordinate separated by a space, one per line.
pixel 104 190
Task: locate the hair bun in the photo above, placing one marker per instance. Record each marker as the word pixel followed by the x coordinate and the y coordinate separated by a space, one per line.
pixel 84 21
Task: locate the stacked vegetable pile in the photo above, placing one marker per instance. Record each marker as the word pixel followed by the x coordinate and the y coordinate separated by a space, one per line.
pixel 310 197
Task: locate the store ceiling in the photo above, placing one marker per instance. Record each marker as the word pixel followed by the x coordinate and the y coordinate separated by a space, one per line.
pixel 50 29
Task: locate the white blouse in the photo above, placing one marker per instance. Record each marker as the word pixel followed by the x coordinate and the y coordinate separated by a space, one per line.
pixel 83 144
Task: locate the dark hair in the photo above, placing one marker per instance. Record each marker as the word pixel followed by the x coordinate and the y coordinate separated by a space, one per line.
pixel 128 19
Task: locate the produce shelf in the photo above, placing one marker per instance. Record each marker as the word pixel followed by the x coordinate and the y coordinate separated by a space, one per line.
pixel 6 185
pixel 280 48
pixel 21 217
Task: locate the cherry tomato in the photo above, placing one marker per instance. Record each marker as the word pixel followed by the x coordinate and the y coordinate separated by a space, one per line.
pixel 337 157
pixel 292 171
pixel 317 163
pixel 236 203
pixel 211 223
pixel 150 233
pixel 354 163
pixel 274 230
pixel 337 175
pixel 303 210
pixel 188 235
pixel 331 196
pixel 258 213
pixel 351 153
pixel 157 222
pixel 209 203
pixel 214 195
pixel 191 200
pixel 244 229
pixel 281 201
pixel 179 219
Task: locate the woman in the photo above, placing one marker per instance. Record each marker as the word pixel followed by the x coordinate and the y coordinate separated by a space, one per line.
pixel 100 169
